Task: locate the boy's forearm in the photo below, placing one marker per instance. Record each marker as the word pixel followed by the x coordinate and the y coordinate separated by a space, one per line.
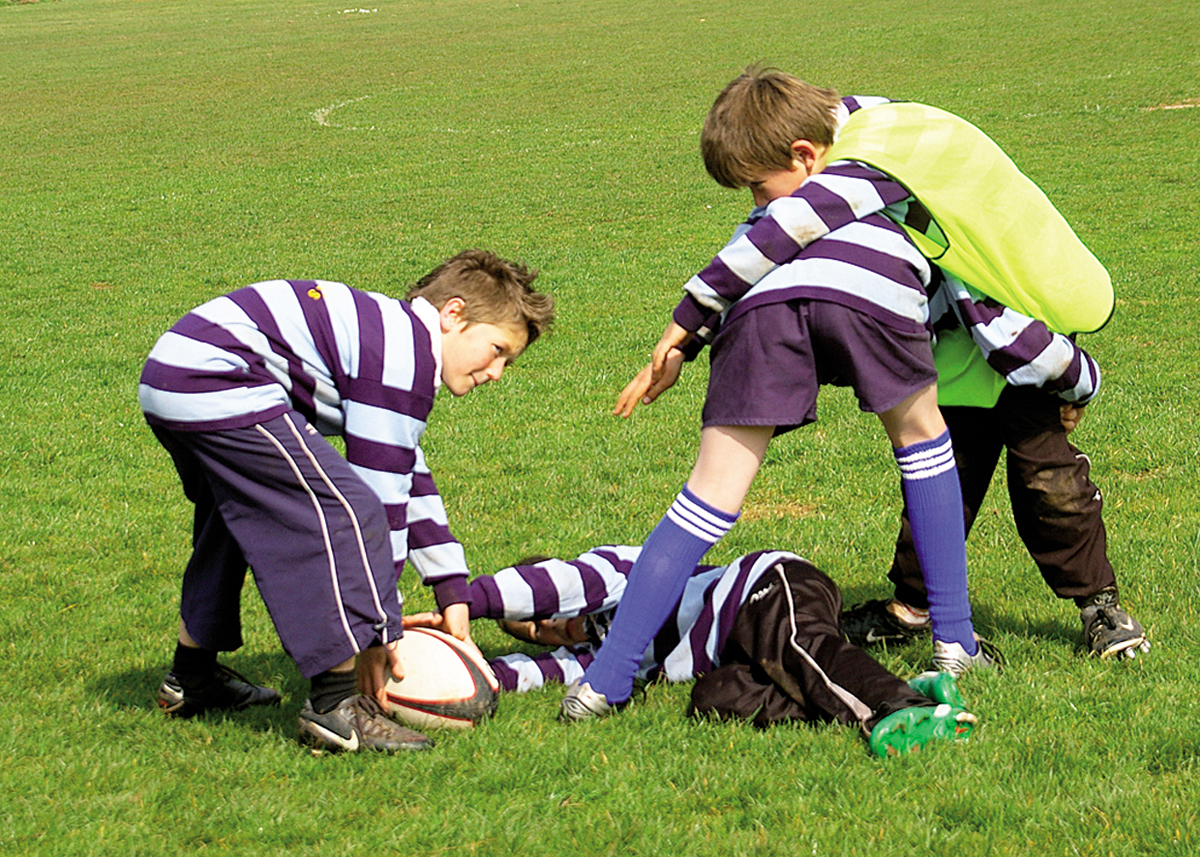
pixel 522 673
pixel 554 588
pixel 1023 349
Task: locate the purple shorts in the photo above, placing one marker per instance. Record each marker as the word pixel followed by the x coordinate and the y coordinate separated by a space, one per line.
pixel 768 363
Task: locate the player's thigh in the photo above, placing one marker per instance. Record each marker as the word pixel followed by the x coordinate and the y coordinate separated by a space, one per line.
pixel 886 364
pixel 1048 477
pixel 762 370
pixel 728 461
pixel 291 499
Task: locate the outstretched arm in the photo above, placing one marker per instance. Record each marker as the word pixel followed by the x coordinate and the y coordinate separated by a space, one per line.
pixel 518 672
pixel 1023 349
pixel 554 588
pixel 646 387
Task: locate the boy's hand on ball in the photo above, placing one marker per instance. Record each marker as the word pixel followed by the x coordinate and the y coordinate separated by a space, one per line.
pixel 456 621
pixel 372 666
pixel 422 620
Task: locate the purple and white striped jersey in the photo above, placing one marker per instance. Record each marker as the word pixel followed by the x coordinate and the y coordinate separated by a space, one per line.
pixel 354 363
pixel 865 262
pixel 688 645
pixel 1022 349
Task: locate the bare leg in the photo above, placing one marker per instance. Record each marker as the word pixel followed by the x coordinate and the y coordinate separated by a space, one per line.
pixel 728 461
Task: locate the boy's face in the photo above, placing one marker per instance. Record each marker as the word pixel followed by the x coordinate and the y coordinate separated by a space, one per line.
pixel 774 184
pixel 808 160
pixel 474 354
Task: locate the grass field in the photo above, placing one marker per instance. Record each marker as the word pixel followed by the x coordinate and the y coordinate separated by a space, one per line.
pixel 159 154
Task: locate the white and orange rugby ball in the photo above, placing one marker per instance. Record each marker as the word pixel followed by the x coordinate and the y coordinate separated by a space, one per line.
pixel 447 683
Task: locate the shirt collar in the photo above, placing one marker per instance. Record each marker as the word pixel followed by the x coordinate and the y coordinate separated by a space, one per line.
pixel 841 115
pixel 429 316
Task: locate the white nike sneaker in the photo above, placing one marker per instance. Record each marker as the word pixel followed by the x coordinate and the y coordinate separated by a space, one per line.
pixel 583 703
pixel 953 658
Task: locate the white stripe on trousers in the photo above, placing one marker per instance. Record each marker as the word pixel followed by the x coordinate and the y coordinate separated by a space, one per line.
pixel 859 708
pixel 362 548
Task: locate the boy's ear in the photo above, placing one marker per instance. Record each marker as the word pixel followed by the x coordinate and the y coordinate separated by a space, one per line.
pixel 807 153
pixel 451 313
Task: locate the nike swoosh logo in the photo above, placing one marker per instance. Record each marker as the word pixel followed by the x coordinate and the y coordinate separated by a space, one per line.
pixel 350 744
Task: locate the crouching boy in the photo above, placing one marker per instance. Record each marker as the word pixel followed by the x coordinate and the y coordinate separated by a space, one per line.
pixel 240 392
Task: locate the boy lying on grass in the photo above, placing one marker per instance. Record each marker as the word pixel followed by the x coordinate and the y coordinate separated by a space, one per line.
pixel 760 635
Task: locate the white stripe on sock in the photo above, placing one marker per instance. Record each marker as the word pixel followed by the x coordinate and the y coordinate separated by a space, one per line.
pixel 697 520
pixel 927 463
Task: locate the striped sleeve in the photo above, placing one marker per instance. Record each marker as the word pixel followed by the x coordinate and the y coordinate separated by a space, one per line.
pixel 433 550
pixel 554 588
pixel 387 404
pixel 845 191
pixel 520 673
pixel 1022 349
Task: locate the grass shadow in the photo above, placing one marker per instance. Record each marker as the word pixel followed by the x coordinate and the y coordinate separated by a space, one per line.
pixel 137 688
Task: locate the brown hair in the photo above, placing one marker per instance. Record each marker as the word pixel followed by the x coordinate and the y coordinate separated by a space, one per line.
pixel 756 118
pixel 493 290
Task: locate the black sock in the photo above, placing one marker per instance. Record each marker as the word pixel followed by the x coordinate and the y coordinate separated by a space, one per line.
pixel 330 688
pixel 191 664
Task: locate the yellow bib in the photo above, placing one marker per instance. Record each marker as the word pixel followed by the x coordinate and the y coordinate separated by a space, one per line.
pixel 991 227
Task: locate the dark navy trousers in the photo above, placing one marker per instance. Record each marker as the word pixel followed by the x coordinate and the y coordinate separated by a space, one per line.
pixel 1055 505
pixel 786 660
pixel 277 497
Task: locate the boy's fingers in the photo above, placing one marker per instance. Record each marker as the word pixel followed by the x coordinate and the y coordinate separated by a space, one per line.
pixel 393 657
pixel 673 337
pixel 422 620
pixel 667 378
pixel 633 393
pixel 456 621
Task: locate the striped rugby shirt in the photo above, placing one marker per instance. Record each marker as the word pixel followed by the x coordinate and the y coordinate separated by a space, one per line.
pixel 688 645
pixel 354 363
pixel 1021 349
pixel 865 261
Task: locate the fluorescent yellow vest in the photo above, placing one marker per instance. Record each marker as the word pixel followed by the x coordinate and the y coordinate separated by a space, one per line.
pixel 992 228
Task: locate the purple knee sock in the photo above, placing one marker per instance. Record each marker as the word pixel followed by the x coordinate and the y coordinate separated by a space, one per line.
pixel 929 480
pixel 656 582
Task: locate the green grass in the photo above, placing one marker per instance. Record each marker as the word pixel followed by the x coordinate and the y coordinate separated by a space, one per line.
pixel 158 154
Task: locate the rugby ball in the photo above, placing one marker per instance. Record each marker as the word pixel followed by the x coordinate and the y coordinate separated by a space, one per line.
pixel 447 683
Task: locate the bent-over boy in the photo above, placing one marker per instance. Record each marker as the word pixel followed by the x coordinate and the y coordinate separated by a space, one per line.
pixel 240 392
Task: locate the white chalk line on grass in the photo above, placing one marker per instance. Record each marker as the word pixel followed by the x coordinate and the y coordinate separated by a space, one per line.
pixel 321 117
pixel 1186 104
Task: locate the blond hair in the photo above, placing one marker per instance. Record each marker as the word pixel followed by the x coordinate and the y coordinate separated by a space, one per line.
pixel 493 291
pixel 756 118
